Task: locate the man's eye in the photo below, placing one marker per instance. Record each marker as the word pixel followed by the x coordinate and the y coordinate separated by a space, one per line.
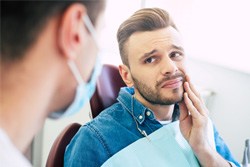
pixel 175 54
pixel 150 60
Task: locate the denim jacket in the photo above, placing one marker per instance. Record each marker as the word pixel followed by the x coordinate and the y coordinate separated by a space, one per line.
pixel 117 127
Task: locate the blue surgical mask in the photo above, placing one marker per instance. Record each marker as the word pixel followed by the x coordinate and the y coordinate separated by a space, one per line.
pixel 84 91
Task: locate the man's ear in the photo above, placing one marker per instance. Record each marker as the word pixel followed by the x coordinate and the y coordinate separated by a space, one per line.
pixel 71 30
pixel 126 75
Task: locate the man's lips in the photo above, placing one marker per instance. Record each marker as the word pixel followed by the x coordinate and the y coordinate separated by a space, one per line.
pixel 173 83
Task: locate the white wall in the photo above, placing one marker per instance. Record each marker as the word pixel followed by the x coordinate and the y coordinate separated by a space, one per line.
pixel 230 109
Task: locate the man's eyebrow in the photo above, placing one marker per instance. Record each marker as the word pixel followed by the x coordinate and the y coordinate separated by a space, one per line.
pixel 177 47
pixel 145 55
pixel 148 54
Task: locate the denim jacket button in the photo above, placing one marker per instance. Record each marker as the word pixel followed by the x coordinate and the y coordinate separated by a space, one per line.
pixel 148 113
pixel 140 117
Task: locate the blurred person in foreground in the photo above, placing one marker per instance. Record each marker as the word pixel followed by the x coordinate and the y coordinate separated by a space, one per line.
pixel 49 65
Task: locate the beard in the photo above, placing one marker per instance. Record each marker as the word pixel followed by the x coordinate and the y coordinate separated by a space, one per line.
pixel 155 96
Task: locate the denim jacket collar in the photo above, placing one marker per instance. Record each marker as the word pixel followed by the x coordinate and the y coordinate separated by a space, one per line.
pixel 133 106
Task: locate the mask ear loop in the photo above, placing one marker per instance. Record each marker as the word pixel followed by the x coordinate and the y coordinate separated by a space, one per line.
pixel 92 31
pixel 75 72
pixel 90 28
pixel 71 64
pixel 143 132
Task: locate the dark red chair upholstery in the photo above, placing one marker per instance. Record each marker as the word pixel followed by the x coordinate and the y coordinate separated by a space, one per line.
pixel 107 89
pixel 56 154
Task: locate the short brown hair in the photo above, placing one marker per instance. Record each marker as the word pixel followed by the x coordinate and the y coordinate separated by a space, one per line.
pixel 23 21
pixel 147 19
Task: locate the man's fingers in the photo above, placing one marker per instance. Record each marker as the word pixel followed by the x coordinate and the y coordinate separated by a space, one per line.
pixel 195 100
pixel 192 87
pixel 191 108
pixel 183 111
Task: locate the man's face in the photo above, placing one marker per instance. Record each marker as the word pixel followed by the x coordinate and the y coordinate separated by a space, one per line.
pixel 156 60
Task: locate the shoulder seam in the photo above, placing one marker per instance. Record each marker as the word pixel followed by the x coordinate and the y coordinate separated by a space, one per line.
pixel 100 138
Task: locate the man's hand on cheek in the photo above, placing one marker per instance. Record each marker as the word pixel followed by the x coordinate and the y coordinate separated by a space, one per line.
pixel 193 117
pixel 194 126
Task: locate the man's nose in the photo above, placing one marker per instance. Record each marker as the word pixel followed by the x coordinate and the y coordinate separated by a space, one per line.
pixel 168 66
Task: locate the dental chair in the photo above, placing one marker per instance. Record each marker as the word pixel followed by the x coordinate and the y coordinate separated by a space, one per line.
pixel 56 154
pixel 107 89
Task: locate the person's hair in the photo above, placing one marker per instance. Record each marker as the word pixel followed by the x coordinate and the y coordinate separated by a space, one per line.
pixel 147 19
pixel 23 21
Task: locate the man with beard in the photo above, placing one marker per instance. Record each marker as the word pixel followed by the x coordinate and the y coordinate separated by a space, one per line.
pixel 159 95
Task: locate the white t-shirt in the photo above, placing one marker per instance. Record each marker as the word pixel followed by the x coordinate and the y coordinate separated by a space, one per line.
pixel 165 122
pixel 10 156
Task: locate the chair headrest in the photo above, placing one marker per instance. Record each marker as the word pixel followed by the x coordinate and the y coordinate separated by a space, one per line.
pixel 107 89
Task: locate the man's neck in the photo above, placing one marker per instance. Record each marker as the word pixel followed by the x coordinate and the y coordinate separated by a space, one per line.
pixel 22 110
pixel 18 121
pixel 161 112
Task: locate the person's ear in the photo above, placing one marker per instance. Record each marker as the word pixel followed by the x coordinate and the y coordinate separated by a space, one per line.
pixel 126 75
pixel 71 30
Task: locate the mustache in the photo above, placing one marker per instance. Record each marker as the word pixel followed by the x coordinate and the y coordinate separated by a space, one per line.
pixel 170 77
